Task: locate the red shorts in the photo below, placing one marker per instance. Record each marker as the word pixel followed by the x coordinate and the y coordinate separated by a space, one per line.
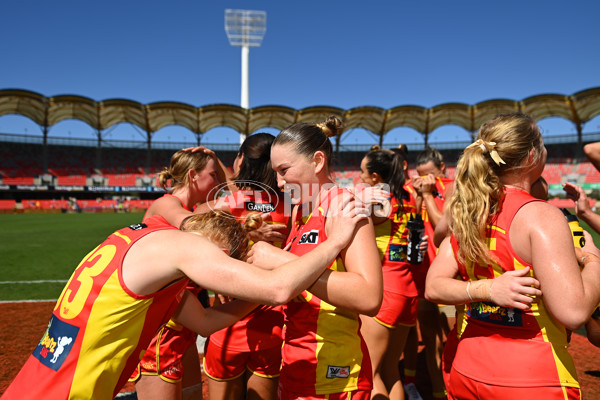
pixel 283 394
pixel 462 387
pixel 164 354
pixel 222 364
pixel 448 356
pixel 419 274
pixel 397 309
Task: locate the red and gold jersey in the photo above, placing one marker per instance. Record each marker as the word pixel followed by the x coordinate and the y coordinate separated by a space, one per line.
pixel 162 197
pixel 392 238
pixel 506 346
pixel 261 329
pixel 324 351
pixel 99 328
pixel 438 193
pixel 418 271
pixel 243 202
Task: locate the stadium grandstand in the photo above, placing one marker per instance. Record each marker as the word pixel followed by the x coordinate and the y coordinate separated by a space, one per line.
pixel 53 174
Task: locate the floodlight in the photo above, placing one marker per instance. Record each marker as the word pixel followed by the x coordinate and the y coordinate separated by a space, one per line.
pixel 245 29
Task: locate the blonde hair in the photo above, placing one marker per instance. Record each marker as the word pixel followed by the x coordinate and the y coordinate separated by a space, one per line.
pixel 181 162
pixel 478 191
pixel 225 229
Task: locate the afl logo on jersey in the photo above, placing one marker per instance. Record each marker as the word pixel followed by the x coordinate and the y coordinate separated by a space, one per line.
pixel 311 237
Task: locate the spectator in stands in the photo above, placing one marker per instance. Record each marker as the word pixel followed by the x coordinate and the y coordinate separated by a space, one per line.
pixel 512 352
pixel 124 290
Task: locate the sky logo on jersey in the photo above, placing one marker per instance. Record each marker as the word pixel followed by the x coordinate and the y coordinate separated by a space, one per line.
pixel 489 312
pixel 137 227
pixel 337 372
pixel 311 237
pixel 56 344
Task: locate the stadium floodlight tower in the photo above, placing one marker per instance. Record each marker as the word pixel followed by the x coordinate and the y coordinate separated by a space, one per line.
pixel 245 29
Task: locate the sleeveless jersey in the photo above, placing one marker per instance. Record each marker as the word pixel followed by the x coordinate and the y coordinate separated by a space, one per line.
pixel 505 346
pixel 438 196
pixel 166 195
pixel 261 329
pixel 418 271
pixel 392 238
pixel 99 328
pixel 324 351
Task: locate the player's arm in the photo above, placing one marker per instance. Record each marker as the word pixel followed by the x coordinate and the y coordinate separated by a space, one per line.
pixel 210 268
pixel 511 289
pixel 592 152
pixel 170 209
pixel 360 287
pixel 582 205
pixel 571 295
pixel 206 321
pixel 435 214
pixel 441 231
pixel 219 204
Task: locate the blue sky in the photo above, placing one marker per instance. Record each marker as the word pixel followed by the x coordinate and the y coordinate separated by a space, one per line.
pixel 338 53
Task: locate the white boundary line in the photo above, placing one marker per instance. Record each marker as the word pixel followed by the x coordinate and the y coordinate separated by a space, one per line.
pixel 28 301
pixel 40 281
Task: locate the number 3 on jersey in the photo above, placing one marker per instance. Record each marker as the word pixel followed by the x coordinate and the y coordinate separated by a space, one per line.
pixel 73 298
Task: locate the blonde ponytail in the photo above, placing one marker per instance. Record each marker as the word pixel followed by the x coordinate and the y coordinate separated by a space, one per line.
pixel 502 146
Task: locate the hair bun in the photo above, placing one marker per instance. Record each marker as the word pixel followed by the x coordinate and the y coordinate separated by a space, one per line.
pixel 253 221
pixel 332 126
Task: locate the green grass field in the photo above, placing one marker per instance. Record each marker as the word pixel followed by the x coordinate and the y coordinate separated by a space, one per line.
pixel 50 246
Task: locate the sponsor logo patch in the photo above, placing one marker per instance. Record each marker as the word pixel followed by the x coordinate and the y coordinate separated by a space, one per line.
pixel 397 252
pixel 494 314
pixel 260 207
pixel 56 344
pixel 137 227
pixel 337 372
pixel 311 237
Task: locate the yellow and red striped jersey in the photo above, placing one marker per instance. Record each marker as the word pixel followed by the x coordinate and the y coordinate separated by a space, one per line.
pixel 99 328
pixel 506 346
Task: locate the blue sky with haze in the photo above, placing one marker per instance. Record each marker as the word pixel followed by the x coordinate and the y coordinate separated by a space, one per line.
pixel 337 53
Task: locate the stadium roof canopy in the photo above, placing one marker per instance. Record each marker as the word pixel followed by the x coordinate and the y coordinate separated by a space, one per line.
pixel 578 108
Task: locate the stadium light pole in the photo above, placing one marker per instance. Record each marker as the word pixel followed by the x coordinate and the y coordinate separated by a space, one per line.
pixel 245 29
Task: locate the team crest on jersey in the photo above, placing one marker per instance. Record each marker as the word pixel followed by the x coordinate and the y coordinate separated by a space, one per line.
pixel 260 207
pixel 56 344
pixel 397 252
pixel 489 312
pixel 337 372
pixel 137 227
pixel 311 237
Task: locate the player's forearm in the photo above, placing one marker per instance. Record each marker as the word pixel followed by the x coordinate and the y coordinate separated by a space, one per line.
pixel 591 218
pixel 296 275
pixel 433 212
pixel 208 321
